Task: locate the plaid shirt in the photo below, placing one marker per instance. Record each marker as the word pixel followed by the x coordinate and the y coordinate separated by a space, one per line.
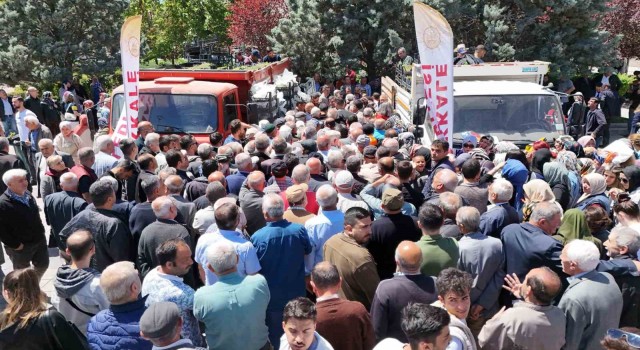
pixel 283 183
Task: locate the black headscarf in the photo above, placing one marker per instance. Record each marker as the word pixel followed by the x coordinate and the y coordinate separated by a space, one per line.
pixel 632 172
pixel 541 157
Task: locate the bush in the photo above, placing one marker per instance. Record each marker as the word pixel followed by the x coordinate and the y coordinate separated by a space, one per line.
pixel 626 80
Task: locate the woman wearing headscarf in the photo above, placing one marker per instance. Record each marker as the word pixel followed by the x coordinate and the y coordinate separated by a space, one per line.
pixel 593 187
pixel 587 141
pixel 630 179
pixel 557 176
pixel 536 191
pixel 574 226
pixel 516 173
pixel 570 161
pixel 576 148
pixel 540 158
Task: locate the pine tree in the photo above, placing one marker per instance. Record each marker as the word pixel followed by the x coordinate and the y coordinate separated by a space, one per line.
pixel 48 40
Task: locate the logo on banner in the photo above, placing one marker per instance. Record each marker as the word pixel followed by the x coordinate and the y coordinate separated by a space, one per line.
pixel 134 46
pixel 431 37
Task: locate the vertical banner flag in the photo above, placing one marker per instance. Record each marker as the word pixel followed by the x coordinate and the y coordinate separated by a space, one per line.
pixel 435 44
pixel 127 125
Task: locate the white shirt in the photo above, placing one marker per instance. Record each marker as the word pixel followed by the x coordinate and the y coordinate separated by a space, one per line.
pixel 23 131
pixel 605 80
pixel 389 344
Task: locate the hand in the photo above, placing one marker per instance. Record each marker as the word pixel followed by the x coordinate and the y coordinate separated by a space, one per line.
pixel 20 247
pixel 381 180
pixel 27 143
pixel 476 310
pixel 512 284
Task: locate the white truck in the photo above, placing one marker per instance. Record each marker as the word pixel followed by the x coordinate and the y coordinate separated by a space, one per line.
pixel 504 100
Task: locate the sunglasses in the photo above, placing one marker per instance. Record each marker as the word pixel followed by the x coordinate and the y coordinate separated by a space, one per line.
pixel 631 338
pixel 622 179
pixel 467 145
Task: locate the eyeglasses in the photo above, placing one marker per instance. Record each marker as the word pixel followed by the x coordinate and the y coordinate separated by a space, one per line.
pixel 631 338
pixel 467 145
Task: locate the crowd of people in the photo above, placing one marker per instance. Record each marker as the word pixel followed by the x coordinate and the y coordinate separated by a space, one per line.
pixel 328 228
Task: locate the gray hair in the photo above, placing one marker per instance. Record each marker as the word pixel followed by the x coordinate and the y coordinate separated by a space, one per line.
pixel 112 182
pixel 469 217
pixel 151 138
pixel 310 132
pixel 243 160
pixel 503 190
pixel 262 142
pixel 116 281
pixel 286 133
pixel 31 119
pixel 85 154
pixel 4 143
pixel 13 174
pixel 149 184
pixel 354 163
pixel 334 159
pixel 300 174
pixel 42 142
pixel 584 253
pixel 450 203
pixel 448 178
pixel 174 188
pixel 67 124
pixel 204 151
pixel 545 210
pixel 627 237
pixel 68 180
pixel 162 207
pixel 273 205
pixel 349 151
pixel 222 256
pixel 327 196
pixel 367 112
pixel 103 141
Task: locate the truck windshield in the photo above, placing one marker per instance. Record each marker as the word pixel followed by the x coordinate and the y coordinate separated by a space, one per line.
pixel 173 113
pixel 520 119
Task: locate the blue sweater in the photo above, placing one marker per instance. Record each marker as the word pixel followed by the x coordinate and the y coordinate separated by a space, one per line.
pixel 118 328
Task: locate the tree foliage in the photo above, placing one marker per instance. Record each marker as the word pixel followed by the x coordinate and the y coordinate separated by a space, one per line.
pixel 48 40
pixel 563 32
pixel 250 21
pixel 624 20
pixel 168 25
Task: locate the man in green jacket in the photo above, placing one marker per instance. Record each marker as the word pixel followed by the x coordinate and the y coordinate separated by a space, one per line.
pixel 438 252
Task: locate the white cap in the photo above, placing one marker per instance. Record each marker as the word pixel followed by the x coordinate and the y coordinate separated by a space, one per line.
pixel 343 179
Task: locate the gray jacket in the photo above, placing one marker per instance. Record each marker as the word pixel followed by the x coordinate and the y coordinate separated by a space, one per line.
pixel 592 304
pixel 482 257
pixel 251 204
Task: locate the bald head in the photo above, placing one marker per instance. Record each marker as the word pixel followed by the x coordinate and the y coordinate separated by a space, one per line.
pixel 255 180
pixel 541 286
pixel 408 257
pixel 174 184
pixel 323 142
pixel 314 165
pixel 386 165
pixel 325 278
pixel 445 180
pixel 217 176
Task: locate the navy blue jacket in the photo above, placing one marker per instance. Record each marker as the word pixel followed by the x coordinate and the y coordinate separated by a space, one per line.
pixel 118 328
pixel 599 199
pixel 527 247
pixel 442 164
pixel 497 218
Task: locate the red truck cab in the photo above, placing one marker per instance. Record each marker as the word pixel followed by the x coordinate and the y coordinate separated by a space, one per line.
pixel 197 102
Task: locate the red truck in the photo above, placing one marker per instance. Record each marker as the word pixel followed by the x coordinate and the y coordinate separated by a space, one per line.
pixel 198 102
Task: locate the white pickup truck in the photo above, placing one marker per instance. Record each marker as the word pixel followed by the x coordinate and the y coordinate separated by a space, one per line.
pixel 504 100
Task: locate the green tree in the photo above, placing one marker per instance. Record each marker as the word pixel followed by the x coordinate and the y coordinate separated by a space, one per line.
pixel 47 40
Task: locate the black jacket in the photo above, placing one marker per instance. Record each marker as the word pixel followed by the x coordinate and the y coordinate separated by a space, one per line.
pixel 61 207
pixel 595 122
pixel 386 233
pixel 33 104
pixel 19 223
pixel 2 111
pixel 8 162
pixel 51 331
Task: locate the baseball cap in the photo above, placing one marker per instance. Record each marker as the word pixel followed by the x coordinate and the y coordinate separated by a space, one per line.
pixel 343 179
pixel 159 319
pixel 392 199
pixel 296 193
pixel 363 140
pixel 269 128
pixel 369 152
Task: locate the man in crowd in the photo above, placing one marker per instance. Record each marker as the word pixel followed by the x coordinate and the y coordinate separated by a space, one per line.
pixel 444 181
pixel 112 236
pixel 301 176
pixel 227 217
pixel 47 150
pixel 353 260
pixel 85 173
pixel 426 327
pixel 502 213
pixel 482 257
pixel 328 223
pixel 529 245
pixel 77 285
pixel 474 193
pixel 151 144
pixel 450 203
pixel 22 231
pixel 345 324
pixel 245 166
pixel 175 187
pixel 281 247
pixel 6 115
pixel 61 207
pixel 8 161
pixel 315 171
pixel 243 299
pixel 297 200
pixel 103 160
pixel 237 132
pixel 534 314
pixel 392 295
pixel 344 182
pixel 299 324
pixel 592 303
pixel 596 123
pixel 204 218
pixel 438 252
pixel 164 283
pixel 119 324
pixel 144 129
pixel 122 171
pixel 251 199
pixel 22 148
pixel 440 160
pixel 164 228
